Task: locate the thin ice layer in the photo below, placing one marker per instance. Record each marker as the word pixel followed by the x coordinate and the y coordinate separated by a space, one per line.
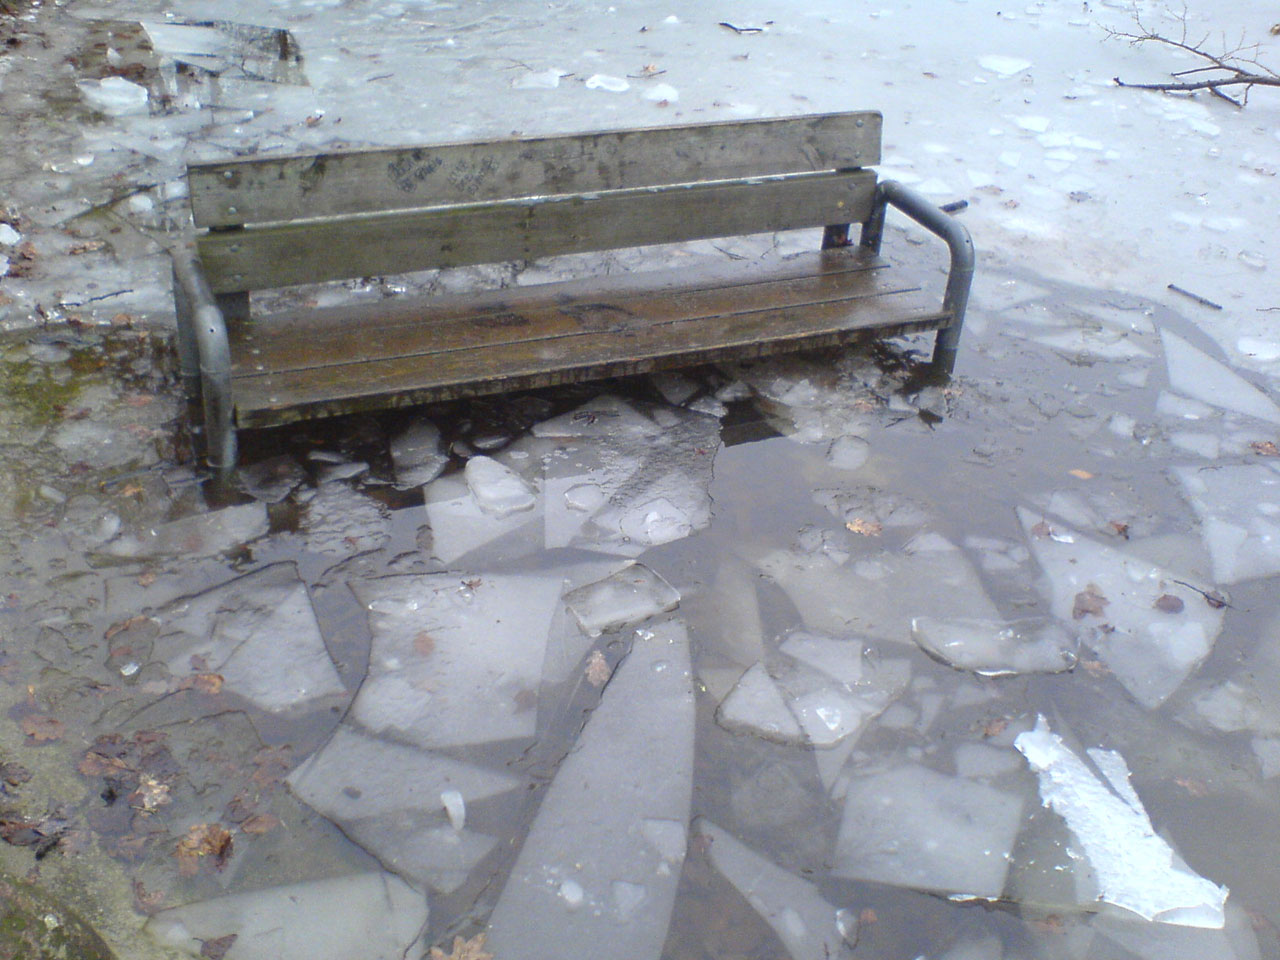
pixel 996 648
pixel 597 874
pixel 1135 868
pixel 806 923
pixel 373 916
pixel 455 659
pixel 1239 510
pixel 235 630
pixel 1199 376
pixel 755 705
pixel 1151 644
pixel 459 525
pixel 914 827
pixel 625 598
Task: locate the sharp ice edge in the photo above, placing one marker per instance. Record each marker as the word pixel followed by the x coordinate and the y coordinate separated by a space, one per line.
pixel 1135 868
pixel 1200 377
pixel 630 596
pixel 997 647
pixel 1239 510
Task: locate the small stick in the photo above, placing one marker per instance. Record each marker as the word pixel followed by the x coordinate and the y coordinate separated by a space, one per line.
pixel 1205 301
pixel 954 206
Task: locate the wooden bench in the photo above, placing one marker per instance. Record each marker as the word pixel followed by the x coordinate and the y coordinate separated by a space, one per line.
pixel 279 221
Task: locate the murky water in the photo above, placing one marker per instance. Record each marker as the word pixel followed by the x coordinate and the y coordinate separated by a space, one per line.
pixel 368 714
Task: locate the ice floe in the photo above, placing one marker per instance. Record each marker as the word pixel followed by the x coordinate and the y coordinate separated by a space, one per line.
pixel 597 873
pixel 259 633
pixel 1200 377
pixel 1239 510
pixel 1134 867
pixel 497 489
pixel 625 598
pixel 370 915
pixel 806 923
pixel 913 827
pixel 200 535
pixel 996 648
pixel 459 526
pixel 416 454
pixel 1150 643
pixel 455 659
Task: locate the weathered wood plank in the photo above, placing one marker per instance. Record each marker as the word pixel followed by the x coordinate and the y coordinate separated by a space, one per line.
pixel 567 342
pixel 319 185
pixel 417 326
pixel 400 242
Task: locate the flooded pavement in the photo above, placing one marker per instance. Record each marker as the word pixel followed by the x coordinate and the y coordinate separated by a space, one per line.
pixel 804 658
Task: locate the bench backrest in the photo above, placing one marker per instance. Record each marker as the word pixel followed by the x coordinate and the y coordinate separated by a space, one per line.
pixel 305 218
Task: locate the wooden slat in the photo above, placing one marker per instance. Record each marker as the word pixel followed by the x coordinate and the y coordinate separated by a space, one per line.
pixel 400 242
pixel 319 185
pixel 560 342
pixel 418 326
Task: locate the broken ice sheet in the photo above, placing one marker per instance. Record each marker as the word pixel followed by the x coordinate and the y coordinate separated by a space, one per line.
pixel 1239 510
pixel 1200 377
pixel 416 455
pixel 340 520
pixel 497 489
pixel 878 596
pixel 374 916
pixel 577 484
pixel 1134 867
pixel 597 874
pixel 394 801
pixel 625 598
pixel 913 827
pixel 756 705
pixel 200 535
pixel 273 479
pixel 259 633
pixel 1113 595
pixel 455 659
pixel 808 926
pixel 459 526
pixel 995 648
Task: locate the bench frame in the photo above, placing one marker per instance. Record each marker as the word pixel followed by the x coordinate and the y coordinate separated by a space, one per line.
pixel 206 301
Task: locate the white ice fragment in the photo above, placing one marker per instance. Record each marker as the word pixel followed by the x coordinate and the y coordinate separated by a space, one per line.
pixel 1171 405
pixel 605 416
pixel 914 827
pixel 416 454
pixel 370 915
pixel 572 894
pixel 455 807
pixel 755 705
pixel 1034 124
pixel 1259 349
pixel 602 81
pixel 1197 375
pixel 459 526
pixel 1237 505
pixel 455 658
pixel 8 236
pixel 202 534
pixel 805 922
pixel 1134 867
pixel 625 598
pixel 1113 595
pixel 996 648
pixel 662 91
pixel 840 659
pixel 584 497
pixel 667 837
pixel 236 630
pixel 1003 66
pixel 498 490
pixel 848 453
pixel 114 96
pixel 632 766
pixel 538 80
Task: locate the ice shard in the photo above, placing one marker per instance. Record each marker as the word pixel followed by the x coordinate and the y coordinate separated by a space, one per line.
pixel 996 648
pixel 1239 510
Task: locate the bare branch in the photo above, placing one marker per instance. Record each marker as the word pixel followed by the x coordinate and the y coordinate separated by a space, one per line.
pixel 1235 67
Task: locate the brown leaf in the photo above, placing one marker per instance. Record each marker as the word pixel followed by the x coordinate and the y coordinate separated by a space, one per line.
pixel 1081 474
pixel 1121 529
pixel 1265 448
pixel 14 774
pixel 598 671
pixel 260 823
pixel 424 644
pixel 1215 600
pixel 994 726
pixel 1196 788
pixel 867 528
pixel 210 683
pixel 1089 601
pixel 217 949
pixel 203 840
pixel 42 727
pixel 86 246
pixel 146 901
pixel 1168 603
pixel 1042 529
pixel 472 949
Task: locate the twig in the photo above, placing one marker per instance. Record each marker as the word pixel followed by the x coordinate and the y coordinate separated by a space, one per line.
pixel 1205 301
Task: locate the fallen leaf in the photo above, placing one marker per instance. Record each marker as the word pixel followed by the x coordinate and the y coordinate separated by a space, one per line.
pixel 1196 788
pixel 87 246
pixel 42 727
pixel 867 528
pixel 203 840
pixel 217 949
pixel 472 949
pixel 260 823
pixel 1081 474
pixel 151 793
pixel 1121 529
pixel 994 726
pixel 1216 600
pixel 210 683
pixel 1168 603
pixel 867 915
pixel 1265 448
pixel 1089 601
pixel 598 671
pixel 1042 529
pixel 148 902
pixel 1050 924
pixel 14 774
pixel 1095 668
pixel 424 644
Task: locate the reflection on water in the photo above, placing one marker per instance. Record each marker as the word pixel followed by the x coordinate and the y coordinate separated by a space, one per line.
pixel 801 658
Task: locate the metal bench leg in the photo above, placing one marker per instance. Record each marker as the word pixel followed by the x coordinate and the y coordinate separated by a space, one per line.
pixel 207 332
pixel 959 279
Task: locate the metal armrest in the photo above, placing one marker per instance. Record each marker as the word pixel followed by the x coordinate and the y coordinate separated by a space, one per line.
pixel 960 277
pixel 205 356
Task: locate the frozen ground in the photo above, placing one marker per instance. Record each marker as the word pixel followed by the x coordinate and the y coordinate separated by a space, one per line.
pixel 794 659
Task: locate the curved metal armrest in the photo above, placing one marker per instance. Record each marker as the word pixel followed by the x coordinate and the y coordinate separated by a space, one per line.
pixel 206 356
pixel 960 278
